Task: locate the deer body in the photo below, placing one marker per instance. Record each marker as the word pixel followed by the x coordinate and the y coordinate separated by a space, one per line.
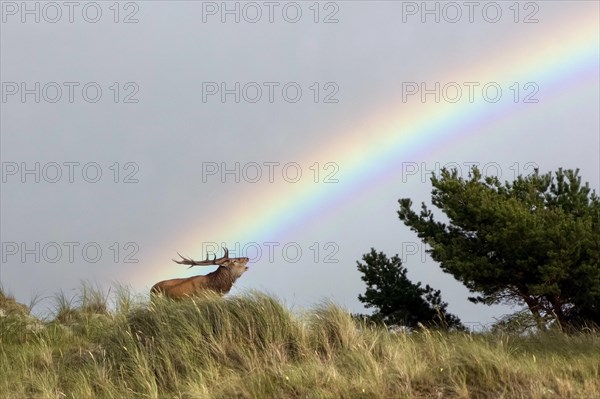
pixel 219 281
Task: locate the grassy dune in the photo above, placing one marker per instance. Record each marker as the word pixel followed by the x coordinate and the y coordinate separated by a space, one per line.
pixel 251 346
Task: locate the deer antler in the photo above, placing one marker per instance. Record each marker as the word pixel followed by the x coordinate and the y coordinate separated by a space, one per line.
pixel 206 262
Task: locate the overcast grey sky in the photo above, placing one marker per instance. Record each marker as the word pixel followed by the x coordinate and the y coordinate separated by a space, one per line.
pixel 118 120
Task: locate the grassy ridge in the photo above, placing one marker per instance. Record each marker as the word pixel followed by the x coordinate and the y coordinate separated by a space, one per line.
pixel 251 346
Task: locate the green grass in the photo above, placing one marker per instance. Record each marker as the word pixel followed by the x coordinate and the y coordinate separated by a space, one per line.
pixel 251 346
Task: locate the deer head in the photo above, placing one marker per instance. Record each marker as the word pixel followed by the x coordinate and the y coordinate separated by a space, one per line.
pixel 236 266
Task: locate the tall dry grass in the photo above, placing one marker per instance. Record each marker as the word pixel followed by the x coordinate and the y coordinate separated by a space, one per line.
pixel 251 346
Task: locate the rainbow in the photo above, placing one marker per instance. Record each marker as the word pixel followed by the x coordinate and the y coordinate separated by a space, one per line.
pixel 562 58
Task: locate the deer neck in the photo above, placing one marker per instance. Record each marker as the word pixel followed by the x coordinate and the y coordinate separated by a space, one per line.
pixel 222 279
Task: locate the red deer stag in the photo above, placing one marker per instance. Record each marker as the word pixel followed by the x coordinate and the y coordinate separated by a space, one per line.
pixel 220 281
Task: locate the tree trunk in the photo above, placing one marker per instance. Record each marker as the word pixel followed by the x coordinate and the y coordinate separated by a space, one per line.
pixel 557 311
pixel 535 308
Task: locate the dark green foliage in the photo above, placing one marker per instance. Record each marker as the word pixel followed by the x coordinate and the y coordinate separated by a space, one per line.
pixel 397 299
pixel 535 241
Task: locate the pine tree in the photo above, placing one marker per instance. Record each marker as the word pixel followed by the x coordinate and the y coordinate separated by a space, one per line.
pixel 397 300
pixel 535 241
